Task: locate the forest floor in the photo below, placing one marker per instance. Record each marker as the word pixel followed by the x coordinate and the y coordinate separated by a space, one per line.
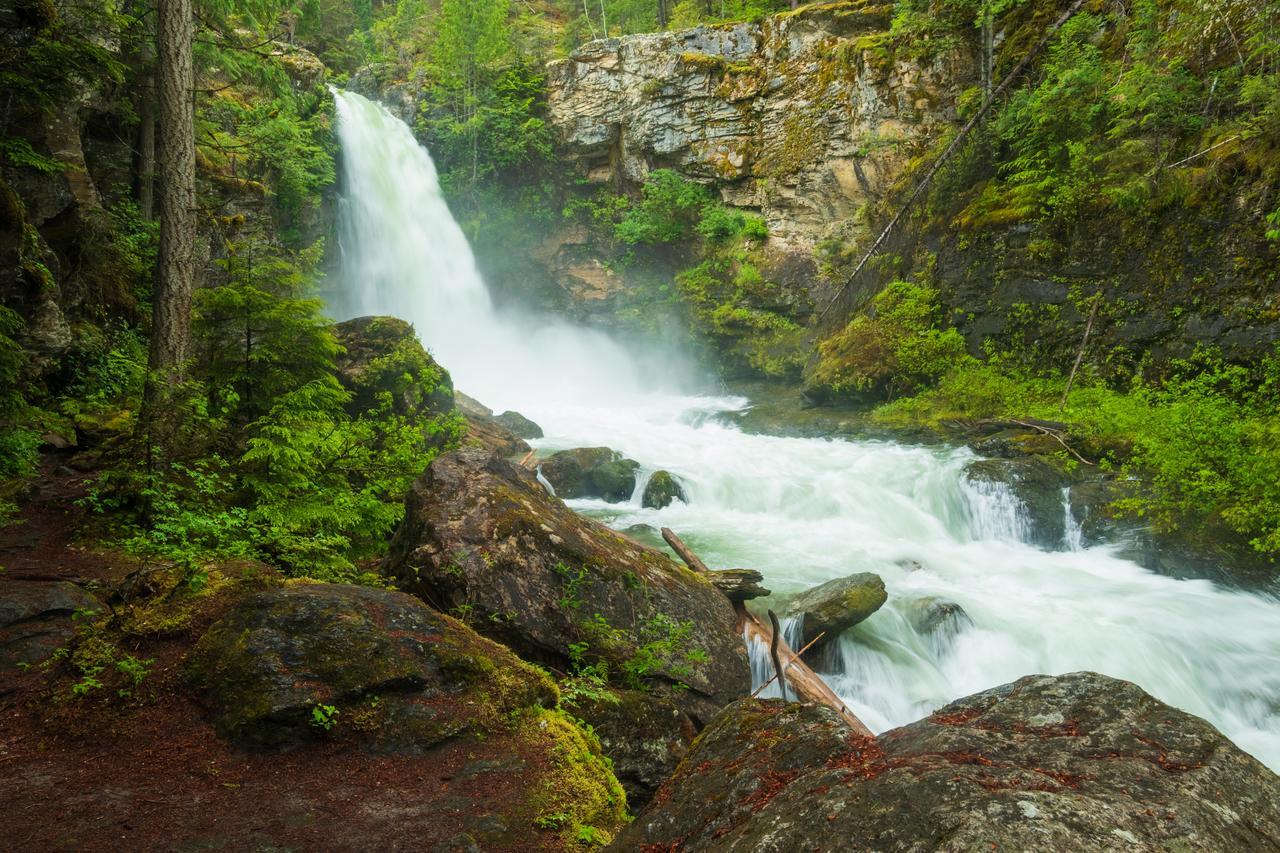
pixel 151 773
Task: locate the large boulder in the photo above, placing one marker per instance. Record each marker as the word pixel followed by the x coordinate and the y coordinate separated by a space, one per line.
pixel 383 354
pixel 482 536
pixel 661 490
pixel 591 472
pixel 267 665
pixel 1075 762
pixel 36 619
pixel 837 605
pixel 485 760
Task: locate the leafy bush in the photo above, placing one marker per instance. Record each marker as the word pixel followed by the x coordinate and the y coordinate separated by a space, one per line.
pixel 1204 442
pixel 670 207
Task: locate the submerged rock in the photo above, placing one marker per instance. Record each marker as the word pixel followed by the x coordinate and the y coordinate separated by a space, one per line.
pixel 938 620
pixel 1074 762
pixel 36 619
pixel 591 472
pixel 404 675
pixel 661 490
pixel 837 605
pixel 1036 485
pixel 518 425
pixel 481 535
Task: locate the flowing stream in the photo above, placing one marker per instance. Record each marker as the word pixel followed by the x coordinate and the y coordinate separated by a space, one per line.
pixel 806 510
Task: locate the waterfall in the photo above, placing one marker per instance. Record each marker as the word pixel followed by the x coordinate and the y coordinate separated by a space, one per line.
pixel 806 510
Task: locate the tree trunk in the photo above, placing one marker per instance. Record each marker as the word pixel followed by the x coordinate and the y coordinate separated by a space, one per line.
pixel 175 267
pixel 147 146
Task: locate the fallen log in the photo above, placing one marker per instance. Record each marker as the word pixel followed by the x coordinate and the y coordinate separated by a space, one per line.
pixel 804 682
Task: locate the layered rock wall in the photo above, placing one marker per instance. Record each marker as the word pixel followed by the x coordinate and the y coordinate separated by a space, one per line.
pixel 806 117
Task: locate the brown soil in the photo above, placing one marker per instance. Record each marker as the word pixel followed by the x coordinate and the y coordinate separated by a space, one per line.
pixel 150 773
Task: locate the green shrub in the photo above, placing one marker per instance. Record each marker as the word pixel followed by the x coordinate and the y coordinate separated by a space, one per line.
pixel 899 346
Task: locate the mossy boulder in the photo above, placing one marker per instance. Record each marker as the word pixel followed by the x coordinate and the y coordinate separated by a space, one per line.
pixel 644 736
pixel 482 536
pixel 837 605
pixel 591 472
pixel 1047 763
pixel 383 354
pixel 400 676
pixel 661 490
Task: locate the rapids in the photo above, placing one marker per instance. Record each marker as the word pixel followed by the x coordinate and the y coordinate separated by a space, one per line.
pixel 805 510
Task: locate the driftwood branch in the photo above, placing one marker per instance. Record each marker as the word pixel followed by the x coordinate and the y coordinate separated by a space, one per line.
pixel 690 559
pixel 806 683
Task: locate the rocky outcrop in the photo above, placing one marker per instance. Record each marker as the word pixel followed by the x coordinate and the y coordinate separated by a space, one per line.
pixel 518 425
pixel 805 116
pixel 483 538
pixel 1076 762
pixel 837 605
pixel 661 490
pixel 36 619
pixel 405 676
pixel 591 472
pixel 383 355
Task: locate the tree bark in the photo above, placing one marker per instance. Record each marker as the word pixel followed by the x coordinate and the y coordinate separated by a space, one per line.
pixel 175 267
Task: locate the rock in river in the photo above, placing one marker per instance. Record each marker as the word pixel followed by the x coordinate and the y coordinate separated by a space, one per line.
pixel 838 605
pixel 661 490
pixel 1074 762
pixel 591 472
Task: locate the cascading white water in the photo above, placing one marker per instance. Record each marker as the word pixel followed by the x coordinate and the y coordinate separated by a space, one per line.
pixel 804 511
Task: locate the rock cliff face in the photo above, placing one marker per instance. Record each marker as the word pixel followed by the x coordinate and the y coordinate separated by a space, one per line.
pixel 802 116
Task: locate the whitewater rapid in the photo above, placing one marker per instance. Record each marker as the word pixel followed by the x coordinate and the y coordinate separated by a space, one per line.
pixel 806 510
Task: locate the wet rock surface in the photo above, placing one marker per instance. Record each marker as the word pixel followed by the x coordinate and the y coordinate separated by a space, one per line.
pixel 483 535
pixel 518 425
pixel 1038 488
pixel 406 677
pixel 837 605
pixel 1074 762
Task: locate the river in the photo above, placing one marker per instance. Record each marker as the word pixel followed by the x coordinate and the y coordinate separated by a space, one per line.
pixel 805 510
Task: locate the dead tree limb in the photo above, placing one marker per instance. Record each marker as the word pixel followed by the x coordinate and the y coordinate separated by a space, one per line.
pixel 1084 342
pixel 799 654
